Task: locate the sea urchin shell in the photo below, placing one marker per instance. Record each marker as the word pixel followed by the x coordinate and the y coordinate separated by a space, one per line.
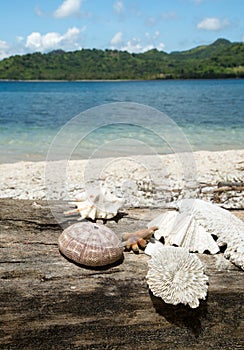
pixel 177 276
pixel 90 244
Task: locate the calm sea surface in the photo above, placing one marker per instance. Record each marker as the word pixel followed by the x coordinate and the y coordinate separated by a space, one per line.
pixel 205 114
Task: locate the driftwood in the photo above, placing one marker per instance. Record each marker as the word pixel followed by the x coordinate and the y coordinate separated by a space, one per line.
pixel 47 302
pixel 231 184
pixel 225 193
pixel 226 188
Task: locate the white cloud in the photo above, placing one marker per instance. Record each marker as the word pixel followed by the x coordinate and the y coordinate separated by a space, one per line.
pixel 136 45
pixel 152 38
pixel 7 50
pixel 3 44
pixel 118 6
pixel 151 21
pixel 53 40
pixel 163 16
pixel 117 39
pixel 156 34
pixel 84 28
pixel 171 15
pixel 69 41
pixel 39 12
pixel 20 38
pixel 212 23
pixel 68 8
pixel 4 48
pixel 160 46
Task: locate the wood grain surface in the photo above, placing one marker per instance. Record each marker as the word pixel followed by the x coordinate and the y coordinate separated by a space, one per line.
pixel 47 302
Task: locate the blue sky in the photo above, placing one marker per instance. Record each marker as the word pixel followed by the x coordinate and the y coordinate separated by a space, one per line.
pixel 28 26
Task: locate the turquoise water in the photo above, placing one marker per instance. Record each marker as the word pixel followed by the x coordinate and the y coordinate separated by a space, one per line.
pixel 209 114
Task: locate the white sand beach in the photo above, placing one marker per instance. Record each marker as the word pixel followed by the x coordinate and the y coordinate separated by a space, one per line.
pixel 142 180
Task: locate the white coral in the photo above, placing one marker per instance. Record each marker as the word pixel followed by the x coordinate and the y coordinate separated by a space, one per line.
pixel 194 225
pixel 177 276
pixel 224 225
pixel 181 229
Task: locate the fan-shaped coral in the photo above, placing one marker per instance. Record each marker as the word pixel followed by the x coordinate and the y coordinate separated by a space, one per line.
pixel 177 276
pixel 195 224
pixel 181 229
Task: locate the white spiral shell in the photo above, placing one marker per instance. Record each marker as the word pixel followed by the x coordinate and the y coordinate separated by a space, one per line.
pixel 90 244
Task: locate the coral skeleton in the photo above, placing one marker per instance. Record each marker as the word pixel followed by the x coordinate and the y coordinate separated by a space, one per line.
pixel 176 276
pixel 202 227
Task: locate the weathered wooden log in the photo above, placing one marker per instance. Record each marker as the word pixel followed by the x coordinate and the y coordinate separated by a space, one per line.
pixel 229 188
pixel 47 302
pixel 230 184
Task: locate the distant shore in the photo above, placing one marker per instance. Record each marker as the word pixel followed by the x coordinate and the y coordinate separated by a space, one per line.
pixel 197 63
pixel 66 81
pixel 143 180
pixel 112 80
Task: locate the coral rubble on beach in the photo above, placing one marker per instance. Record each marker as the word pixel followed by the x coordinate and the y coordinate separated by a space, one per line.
pixel 140 183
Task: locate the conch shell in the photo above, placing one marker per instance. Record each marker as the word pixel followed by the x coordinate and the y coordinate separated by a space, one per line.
pixel 95 206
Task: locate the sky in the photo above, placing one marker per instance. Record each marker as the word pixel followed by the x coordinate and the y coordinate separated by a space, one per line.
pixel 28 26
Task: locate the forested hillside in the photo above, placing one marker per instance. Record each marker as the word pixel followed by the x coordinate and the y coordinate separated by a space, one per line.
pixel 222 59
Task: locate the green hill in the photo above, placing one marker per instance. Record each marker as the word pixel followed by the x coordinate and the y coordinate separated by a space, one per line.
pixel 221 59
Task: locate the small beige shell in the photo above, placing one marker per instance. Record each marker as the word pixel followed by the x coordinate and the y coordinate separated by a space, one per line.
pixel 176 276
pixel 90 244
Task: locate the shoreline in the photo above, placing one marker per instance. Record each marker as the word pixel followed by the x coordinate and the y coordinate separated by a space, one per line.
pixel 143 180
pixel 113 80
pixel 42 159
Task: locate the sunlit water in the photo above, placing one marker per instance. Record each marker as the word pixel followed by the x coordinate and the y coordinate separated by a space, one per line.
pixel 209 113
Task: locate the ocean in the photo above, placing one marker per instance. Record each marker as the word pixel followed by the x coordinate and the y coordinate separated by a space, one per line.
pixel 99 119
